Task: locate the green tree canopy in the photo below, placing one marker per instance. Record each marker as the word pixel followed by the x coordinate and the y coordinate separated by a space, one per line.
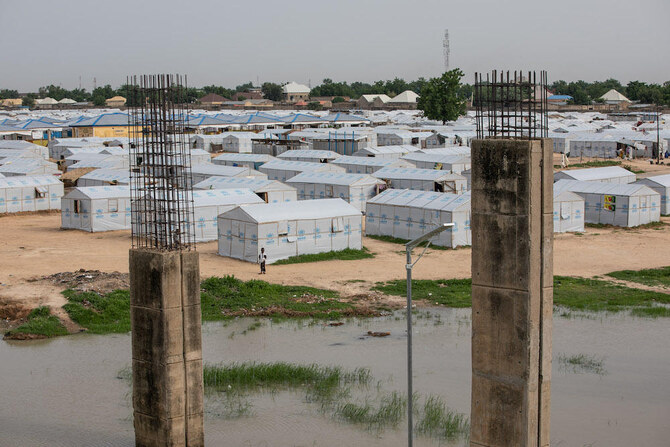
pixel 272 91
pixel 441 98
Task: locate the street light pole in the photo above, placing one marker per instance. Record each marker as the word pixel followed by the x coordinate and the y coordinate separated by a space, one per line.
pixel 409 265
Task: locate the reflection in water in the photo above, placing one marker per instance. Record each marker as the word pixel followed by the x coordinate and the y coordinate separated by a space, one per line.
pixel 65 391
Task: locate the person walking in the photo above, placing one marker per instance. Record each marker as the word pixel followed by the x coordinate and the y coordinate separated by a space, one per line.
pixel 261 260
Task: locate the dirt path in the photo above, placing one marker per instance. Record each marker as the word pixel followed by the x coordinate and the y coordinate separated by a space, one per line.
pixel 33 246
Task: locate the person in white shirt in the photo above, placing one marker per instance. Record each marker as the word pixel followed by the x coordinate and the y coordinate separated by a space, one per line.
pixel 261 260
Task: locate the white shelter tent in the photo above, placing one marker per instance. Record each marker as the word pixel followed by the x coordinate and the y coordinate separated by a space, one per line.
pixel 253 161
pixel 289 229
pixel 205 171
pixel 423 179
pixel 353 188
pixel 34 193
pixel 369 165
pixel 200 156
pixel 309 155
pixel 208 204
pixel 622 205
pixel 271 191
pixel 450 150
pixel 27 167
pixel 408 214
pixel 452 163
pixel 392 152
pixel 283 170
pixel 609 174
pixel 568 212
pixel 39 151
pixel 660 184
pixel 104 177
pixel 96 208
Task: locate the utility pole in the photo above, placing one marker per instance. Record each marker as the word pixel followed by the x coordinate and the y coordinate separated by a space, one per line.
pixel 658 134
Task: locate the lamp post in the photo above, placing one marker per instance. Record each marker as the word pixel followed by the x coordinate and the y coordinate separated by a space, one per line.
pixel 408 248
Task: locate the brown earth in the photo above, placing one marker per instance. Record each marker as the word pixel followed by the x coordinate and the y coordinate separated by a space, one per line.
pixel 34 252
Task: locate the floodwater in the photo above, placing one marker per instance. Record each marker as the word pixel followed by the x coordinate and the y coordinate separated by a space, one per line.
pixel 65 391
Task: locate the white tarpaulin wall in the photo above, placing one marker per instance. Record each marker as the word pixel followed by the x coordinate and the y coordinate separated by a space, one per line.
pixel 568 212
pixel 37 193
pixel 202 172
pixel 354 164
pixel 609 174
pixel 283 170
pixel 309 155
pixel 208 204
pixel 386 152
pixel 353 188
pixel 423 179
pixel 452 163
pixel 271 191
pixel 253 161
pixel 627 205
pixel 660 184
pixel 96 208
pixel 289 229
pixel 105 177
pixel 408 214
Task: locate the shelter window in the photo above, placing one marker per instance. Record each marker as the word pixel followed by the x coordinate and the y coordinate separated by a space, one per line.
pixel 329 190
pixel 337 225
pixel 263 195
pixel 282 228
pixel 77 206
pixel 40 192
pixel 113 205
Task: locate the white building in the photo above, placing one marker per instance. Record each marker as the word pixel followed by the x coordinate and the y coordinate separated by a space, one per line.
pixel 386 152
pixel 105 177
pixel 24 146
pixel 452 163
pixel 209 204
pixel 271 191
pixel 568 212
pixel 36 193
pixel 205 171
pixel 609 174
pixel 408 214
pixel 353 188
pixel 309 155
pixel 423 179
pixel 660 184
pixel 622 205
pixel 253 161
pixel 283 170
pixel 27 166
pixel 96 208
pixel 369 165
pixel 289 229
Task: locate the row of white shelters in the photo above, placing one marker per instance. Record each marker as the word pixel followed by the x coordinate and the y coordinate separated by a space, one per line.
pixel 96 208
pixel 568 212
pixel 271 191
pixel 408 214
pixel 660 184
pixel 105 177
pixel 353 188
pixel 423 179
pixel 27 167
pixel 450 150
pixel 96 161
pixel 289 229
pixel 622 205
pixel 609 174
pixel 24 146
pixel 253 161
pixel 238 142
pixel 209 204
pixel 207 170
pixel 33 193
pixel 310 155
pixel 369 165
pixel 393 152
pixel 452 163
pixel 283 170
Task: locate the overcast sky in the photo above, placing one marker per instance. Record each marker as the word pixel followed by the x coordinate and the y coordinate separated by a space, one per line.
pixel 231 42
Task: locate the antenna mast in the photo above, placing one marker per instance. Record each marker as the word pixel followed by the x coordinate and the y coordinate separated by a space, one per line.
pixel 445 49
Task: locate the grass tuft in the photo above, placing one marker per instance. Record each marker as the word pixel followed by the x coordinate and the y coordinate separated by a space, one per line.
pixel 651 312
pixel 447 292
pixel 391 410
pixel 596 164
pixel 649 277
pixel 348 254
pixel 100 314
pixel 439 421
pixel 40 322
pixel 582 363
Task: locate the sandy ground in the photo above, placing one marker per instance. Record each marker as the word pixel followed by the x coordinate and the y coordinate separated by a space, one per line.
pixel 639 164
pixel 33 246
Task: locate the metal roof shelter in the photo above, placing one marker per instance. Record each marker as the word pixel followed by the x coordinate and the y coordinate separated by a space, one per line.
pixel 310 155
pixel 392 152
pixel 104 177
pixel 609 174
pixel 353 188
pixel 283 170
pixel 407 214
pixel 423 179
pixel 96 208
pixel 623 205
pixel 452 163
pixel 27 166
pixel 209 204
pixel 271 191
pixel 568 212
pixel 450 150
pixel 205 171
pixel 30 193
pixel 253 161
pixel 25 146
pixel 289 229
pixel 660 184
pixel 368 165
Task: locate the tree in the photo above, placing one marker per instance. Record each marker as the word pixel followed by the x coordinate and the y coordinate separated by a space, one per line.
pixel 8 94
pixel 441 98
pixel 272 91
pixel 100 94
pixel 244 87
pixel 337 99
pixel 28 101
pixel 314 105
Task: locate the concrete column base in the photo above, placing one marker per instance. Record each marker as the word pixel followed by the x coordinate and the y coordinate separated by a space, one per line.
pixel 167 348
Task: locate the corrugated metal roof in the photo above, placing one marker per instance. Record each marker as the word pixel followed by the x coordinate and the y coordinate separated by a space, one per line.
pixel 591 174
pixel 334 178
pixel 99 192
pixel 616 189
pixel 33 180
pixel 300 210
pixel 659 180
pixel 422 199
pixel 409 173
pixel 259 158
pixel 254 184
pixel 120 175
pixel 292 165
pixel 309 153
pixel 211 197
pixel 363 161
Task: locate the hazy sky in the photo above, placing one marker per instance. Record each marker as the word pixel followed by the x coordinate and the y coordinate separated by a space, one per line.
pixel 231 42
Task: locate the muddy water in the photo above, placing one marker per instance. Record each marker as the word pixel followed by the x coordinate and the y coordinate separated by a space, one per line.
pixel 65 392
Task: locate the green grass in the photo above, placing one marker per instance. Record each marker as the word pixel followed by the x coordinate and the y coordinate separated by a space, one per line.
pixel 40 322
pixel 651 312
pixel 348 254
pixel 649 277
pixel 596 164
pixel 395 240
pixel 100 314
pixel 227 297
pixel 439 421
pixel 633 169
pixel 572 293
pixel 582 363
pixel 447 292
pixel 391 410
pixel 650 225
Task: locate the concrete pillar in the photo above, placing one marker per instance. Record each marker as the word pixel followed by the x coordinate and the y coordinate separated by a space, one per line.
pixel 512 292
pixel 167 348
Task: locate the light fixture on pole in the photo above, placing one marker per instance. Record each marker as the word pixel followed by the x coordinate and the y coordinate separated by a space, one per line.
pixel 408 248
